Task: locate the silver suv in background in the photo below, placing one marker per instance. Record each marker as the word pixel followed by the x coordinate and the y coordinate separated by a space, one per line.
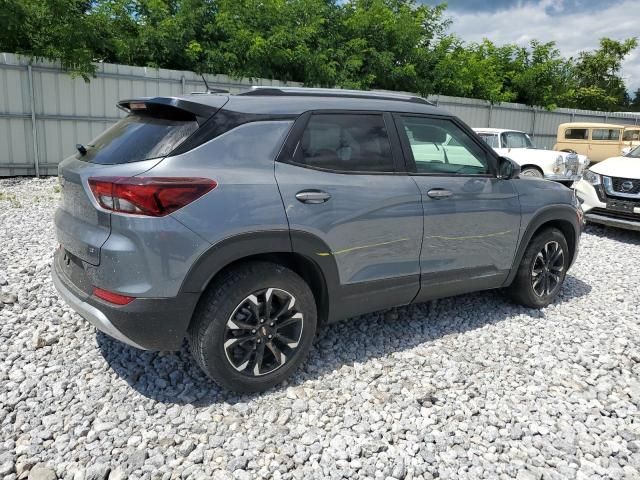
pixel 244 222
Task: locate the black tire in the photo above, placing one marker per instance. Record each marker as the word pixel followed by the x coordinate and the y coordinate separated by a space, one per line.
pixel 531 172
pixel 526 288
pixel 221 334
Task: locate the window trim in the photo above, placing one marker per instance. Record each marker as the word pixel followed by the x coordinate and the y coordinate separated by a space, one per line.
pixel 292 142
pixel 492 156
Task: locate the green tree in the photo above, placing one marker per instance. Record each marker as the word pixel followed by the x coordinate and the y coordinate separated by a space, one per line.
pixel 635 102
pixel 399 45
pixel 597 74
pixel 57 29
pixel 541 76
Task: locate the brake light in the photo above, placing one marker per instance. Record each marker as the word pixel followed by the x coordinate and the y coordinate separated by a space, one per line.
pixel 150 196
pixel 111 297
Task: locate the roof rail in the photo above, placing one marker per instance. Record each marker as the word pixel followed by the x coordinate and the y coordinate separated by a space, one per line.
pixel 333 92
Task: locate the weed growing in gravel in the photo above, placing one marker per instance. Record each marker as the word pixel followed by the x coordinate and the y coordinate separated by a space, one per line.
pixel 11 198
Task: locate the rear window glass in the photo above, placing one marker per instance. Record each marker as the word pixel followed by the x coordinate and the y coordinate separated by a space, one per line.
pixel 139 137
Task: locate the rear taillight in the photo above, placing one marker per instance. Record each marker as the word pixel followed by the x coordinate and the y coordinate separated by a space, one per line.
pixel 151 196
pixel 111 297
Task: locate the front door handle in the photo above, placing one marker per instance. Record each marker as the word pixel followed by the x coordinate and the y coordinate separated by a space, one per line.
pixel 439 193
pixel 312 196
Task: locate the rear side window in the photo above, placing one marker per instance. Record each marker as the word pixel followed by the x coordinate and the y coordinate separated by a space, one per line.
pixel 605 134
pixel 139 137
pixel 576 134
pixel 631 135
pixel 346 142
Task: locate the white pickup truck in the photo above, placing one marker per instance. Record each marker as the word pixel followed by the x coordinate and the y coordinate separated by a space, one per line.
pixel 564 167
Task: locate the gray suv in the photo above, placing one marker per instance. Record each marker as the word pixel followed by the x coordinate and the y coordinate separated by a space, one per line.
pixel 244 222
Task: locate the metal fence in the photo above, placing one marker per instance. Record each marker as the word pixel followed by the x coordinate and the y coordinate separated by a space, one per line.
pixel 44 111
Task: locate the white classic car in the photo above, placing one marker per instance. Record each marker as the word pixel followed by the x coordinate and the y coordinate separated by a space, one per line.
pixel 565 167
pixel 610 191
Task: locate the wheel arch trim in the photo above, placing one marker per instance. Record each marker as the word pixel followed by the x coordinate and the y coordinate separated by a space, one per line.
pixel 295 244
pixel 559 213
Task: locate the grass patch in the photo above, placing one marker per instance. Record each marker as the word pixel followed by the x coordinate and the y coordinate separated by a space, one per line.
pixel 11 198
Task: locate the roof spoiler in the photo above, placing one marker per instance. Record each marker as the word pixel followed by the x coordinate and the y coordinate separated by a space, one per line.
pixel 200 110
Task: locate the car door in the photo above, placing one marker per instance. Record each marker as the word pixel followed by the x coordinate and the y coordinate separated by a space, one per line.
pixel 351 210
pixel 471 217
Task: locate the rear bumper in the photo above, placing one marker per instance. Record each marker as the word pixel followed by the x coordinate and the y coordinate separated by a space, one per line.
pixel 145 323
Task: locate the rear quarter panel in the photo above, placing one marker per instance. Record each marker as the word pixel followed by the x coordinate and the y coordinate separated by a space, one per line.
pixel 242 162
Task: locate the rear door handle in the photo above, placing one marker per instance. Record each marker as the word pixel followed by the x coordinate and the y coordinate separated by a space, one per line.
pixel 312 196
pixel 439 193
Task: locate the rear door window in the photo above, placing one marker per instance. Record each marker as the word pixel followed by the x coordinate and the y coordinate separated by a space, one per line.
pixel 346 143
pixel 140 137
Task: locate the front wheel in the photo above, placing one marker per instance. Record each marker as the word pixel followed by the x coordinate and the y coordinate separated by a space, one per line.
pixel 542 270
pixel 531 172
pixel 254 326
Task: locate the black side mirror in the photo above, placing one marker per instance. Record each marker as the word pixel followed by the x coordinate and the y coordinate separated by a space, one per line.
pixel 507 168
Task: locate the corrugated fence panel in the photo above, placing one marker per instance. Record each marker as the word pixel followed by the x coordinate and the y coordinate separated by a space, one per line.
pixel 69 110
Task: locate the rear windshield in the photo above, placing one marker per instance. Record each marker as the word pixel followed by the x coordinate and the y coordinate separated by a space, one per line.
pixel 139 137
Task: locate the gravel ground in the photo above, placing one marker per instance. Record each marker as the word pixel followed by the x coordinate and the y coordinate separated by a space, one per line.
pixel 470 387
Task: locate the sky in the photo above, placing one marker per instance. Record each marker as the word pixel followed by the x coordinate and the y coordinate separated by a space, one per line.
pixel 574 25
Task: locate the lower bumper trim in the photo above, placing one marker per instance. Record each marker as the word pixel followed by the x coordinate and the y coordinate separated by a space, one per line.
pixel 612 222
pixel 563 178
pixel 90 313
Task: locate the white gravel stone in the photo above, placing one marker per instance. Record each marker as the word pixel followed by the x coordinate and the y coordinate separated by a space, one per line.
pixel 463 388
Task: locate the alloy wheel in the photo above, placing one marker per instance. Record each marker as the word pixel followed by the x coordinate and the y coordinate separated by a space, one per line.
pixel 263 332
pixel 546 272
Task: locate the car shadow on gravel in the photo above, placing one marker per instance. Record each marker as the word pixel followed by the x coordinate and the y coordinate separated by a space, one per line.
pixel 173 377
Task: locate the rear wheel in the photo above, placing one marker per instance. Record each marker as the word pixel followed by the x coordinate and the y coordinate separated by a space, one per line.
pixel 531 172
pixel 254 327
pixel 542 270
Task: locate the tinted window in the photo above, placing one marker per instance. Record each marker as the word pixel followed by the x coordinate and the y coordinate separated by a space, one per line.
pixel 490 139
pixel 344 142
pixel 576 134
pixel 631 135
pixel 139 137
pixel 515 140
pixel 605 134
pixel 440 146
